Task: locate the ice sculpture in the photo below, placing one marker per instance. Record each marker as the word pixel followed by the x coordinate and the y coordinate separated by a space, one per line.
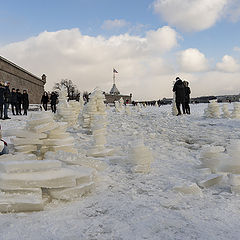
pixel 98 124
pixel 236 110
pixel 65 112
pixel 42 134
pixel 23 179
pixel 225 111
pixel 128 110
pixel 212 111
pixel 210 157
pixel 140 157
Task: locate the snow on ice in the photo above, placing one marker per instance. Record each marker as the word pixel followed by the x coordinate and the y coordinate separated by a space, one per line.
pixel 189 188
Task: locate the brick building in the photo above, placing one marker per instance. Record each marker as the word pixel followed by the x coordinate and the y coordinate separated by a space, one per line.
pixel 22 79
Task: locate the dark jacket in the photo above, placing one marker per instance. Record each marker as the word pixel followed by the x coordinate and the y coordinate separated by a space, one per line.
pixel 45 99
pixel 19 97
pixel 2 90
pixel 13 97
pixel 187 94
pixel 53 98
pixel 179 90
pixel 7 95
pixel 25 101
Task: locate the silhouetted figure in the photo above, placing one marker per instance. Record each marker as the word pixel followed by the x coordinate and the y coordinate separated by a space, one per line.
pixel 6 100
pixel 25 102
pixel 14 101
pixel 45 100
pixel 19 102
pixel 187 97
pixel 2 90
pixel 179 90
pixel 53 101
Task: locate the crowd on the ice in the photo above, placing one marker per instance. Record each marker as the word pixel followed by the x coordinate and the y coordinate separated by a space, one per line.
pixel 182 96
pixel 19 101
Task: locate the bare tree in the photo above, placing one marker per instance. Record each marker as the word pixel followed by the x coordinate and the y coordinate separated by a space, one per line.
pixel 70 87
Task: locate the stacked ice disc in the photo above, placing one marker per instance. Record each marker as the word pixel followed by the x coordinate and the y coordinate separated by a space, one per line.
pixel 95 107
pixel 236 110
pixel 119 105
pixel 59 140
pixel 225 111
pixel 23 179
pixel 140 157
pixel 98 125
pixel 65 112
pixel 212 111
pixel 76 108
pixel 128 110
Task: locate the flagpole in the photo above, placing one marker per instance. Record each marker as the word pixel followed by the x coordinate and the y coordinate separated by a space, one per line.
pixel 113 76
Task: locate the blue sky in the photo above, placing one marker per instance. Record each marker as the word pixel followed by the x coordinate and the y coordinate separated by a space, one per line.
pixel 199 40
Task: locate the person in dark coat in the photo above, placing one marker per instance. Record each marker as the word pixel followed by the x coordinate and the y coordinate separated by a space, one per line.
pixel 6 100
pixel 19 102
pixel 14 101
pixel 25 102
pixel 2 90
pixel 53 101
pixel 187 97
pixel 179 90
pixel 45 100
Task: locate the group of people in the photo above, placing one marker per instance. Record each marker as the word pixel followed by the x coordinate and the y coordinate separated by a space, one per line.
pixel 182 93
pixel 14 97
pixel 53 101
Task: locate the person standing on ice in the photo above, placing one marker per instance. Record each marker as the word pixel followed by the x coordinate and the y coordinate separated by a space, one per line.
pixel 2 89
pixel 179 90
pixel 45 100
pixel 14 101
pixel 19 102
pixel 187 97
pixel 53 99
pixel 7 99
pixel 25 102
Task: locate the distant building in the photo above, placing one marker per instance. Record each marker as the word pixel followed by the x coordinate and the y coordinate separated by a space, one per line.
pixel 114 94
pixel 228 98
pixel 22 79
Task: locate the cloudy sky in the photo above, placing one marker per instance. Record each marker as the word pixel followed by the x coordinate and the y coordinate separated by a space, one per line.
pixel 148 42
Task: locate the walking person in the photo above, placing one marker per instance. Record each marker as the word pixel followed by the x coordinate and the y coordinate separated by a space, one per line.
pixel 14 101
pixel 2 90
pixel 179 90
pixel 53 101
pixel 187 96
pixel 6 100
pixel 45 100
pixel 19 102
pixel 25 102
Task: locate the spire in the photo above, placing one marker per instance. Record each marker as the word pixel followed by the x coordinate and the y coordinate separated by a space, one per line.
pixel 114 90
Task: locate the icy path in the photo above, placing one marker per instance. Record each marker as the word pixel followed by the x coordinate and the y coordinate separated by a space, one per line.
pixel 138 206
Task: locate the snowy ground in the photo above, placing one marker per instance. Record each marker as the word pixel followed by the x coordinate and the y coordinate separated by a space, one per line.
pixel 142 206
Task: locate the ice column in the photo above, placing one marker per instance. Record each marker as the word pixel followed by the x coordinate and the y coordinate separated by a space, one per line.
pixel 236 110
pixel 225 111
pixel 141 157
pixel 212 111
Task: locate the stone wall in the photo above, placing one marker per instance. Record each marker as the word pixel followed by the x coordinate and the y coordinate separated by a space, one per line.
pixel 22 79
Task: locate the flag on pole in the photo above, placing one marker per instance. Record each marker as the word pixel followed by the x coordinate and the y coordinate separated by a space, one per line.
pixel 115 71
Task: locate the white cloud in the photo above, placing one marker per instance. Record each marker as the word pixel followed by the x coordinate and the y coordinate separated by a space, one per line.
pixel 191 15
pixel 114 24
pixel 236 49
pixel 192 60
pixel 228 64
pixel 88 61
